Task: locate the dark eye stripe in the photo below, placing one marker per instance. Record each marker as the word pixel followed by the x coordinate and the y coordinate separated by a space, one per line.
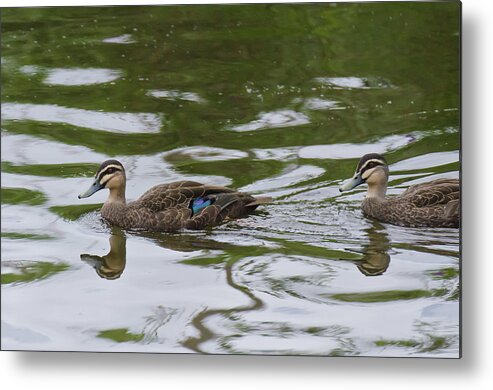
pixel 370 157
pixel 370 165
pixel 107 171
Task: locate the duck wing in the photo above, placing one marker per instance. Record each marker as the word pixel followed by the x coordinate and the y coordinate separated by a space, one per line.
pixel 177 195
pixel 170 186
pixel 434 193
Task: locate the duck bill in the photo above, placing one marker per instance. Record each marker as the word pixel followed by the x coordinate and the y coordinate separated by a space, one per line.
pixel 96 186
pixel 349 184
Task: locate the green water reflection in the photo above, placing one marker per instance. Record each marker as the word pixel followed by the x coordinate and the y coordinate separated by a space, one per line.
pixel 276 99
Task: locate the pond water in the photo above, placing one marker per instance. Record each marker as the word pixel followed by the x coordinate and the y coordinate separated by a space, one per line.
pixel 279 100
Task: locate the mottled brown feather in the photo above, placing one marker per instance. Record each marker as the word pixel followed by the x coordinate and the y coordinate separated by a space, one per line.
pixel 434 204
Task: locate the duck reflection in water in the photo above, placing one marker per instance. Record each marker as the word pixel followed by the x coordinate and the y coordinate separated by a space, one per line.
pixel 112 265
pixel 376 258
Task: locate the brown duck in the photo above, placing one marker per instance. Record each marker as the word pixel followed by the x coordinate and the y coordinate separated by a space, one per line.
pixel 434 204
pixel 169 207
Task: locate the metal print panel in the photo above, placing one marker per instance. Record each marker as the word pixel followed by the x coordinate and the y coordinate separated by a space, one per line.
pixel 299 165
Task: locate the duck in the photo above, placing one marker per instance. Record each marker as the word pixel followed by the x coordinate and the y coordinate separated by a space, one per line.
pixel 169 207
pixel 432 204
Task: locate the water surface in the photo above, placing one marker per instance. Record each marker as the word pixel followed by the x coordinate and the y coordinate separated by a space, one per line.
pixel 273 99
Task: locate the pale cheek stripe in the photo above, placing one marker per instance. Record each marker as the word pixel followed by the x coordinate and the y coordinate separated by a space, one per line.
pixel 105 180
pixel 106 168
pixel 369 161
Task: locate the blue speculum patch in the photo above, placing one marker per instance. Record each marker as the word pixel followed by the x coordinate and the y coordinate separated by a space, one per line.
pixel 200 203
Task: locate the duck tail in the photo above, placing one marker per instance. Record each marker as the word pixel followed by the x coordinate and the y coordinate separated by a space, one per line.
pixel 259 200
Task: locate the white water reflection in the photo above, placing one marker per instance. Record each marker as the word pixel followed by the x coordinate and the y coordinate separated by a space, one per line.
pixel 274 119
pixel 311 285
pixel 81 76
pixel 342 82
pixel 176 95
pixel 428 160
pixel 124 39
pixel 340 151
pixel 20 149
pixel 30 69
pixel 36 219
pixel 446 175
pixel 353 82
pixel 290 176
pixel 281 154
pixel 178 297
pixel 204 153
pixel 321 104
pixel 116 122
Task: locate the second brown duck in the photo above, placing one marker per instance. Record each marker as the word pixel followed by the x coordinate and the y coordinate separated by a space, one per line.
pixel 432 204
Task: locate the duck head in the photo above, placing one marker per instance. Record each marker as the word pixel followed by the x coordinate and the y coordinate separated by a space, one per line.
pixel 372 169
pixel 111 175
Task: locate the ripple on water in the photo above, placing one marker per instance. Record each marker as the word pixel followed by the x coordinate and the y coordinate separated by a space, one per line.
pixel 281 275
pixel 176 95
pixel 341 150
pixel 353 82
pixel 281 154
pixel 124 39
pixel 427 160
pixel 25 149
pixel 203 153
pixel 116 122
pixel 18 216
pixel 81 76
pixel 144 172
pixel 426 178
pixel 30 69
pixel 353 150
pixel 272 120
pixel 291 176
pixel 319 104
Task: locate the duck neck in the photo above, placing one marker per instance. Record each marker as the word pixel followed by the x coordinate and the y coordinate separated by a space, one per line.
pixel 117 195
pixel 376 191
